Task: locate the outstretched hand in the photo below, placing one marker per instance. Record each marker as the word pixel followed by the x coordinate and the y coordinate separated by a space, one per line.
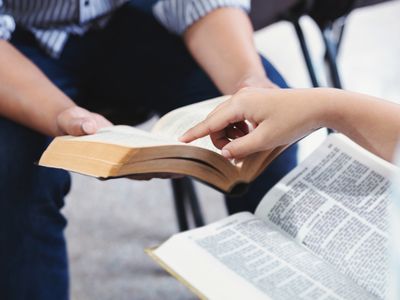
pixel 257 119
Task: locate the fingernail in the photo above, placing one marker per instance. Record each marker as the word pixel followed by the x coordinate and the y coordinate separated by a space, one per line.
pixel 88 127
pixel 225 153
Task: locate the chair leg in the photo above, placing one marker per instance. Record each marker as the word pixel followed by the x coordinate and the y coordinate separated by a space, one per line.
pixel 194 203
pixel 332 45
pixel 330 54
pixel 185 198
pixel 306 52
pixel 339 28
pixel 179 201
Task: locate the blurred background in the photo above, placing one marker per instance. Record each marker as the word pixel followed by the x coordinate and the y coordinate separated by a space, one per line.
pixel 111 223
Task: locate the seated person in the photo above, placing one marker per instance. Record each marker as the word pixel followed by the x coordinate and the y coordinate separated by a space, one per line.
pixel 281 117
pixel 60 62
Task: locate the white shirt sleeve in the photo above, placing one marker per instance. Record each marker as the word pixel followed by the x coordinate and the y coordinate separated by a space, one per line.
pixel 178 15
pixel 7 24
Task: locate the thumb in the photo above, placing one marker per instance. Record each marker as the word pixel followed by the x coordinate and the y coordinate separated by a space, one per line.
pixel 77 121
pixel 80 126
pixel 244 146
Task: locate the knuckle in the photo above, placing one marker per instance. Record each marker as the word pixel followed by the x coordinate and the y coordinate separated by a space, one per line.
pixel 237 103
pixel 237 151
pixel 208 128
pixel 257 140
pixel 232 149
pixel 203 128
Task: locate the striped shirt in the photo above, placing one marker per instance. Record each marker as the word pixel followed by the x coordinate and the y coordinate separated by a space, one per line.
pixel 52 21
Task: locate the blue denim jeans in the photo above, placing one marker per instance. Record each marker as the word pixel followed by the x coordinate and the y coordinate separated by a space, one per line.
pixel 131 63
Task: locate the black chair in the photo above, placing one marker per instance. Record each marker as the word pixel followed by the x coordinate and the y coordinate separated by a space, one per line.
pixel 329 15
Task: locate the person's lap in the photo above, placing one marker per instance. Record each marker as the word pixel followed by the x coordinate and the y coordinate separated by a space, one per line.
pixel 132 63
pixel 32 246
pixel 156 71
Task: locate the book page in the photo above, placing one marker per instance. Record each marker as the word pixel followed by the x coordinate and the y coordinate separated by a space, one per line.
pixel 334 203
pixel 126 136
pixel 242 257
pixel 178 121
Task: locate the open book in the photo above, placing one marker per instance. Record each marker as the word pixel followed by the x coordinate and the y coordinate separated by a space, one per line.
pixel 320 233
pixel 122 150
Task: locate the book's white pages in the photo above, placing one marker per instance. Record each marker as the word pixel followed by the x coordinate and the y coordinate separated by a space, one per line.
pixel 175 123
pixel 334 203
pixel 127 136
pixel 320 233
pixel 242 257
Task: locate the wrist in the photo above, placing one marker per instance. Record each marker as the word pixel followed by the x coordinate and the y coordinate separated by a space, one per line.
pixel 56 130
pixel 330 107
pixel 256 79
pixel 39 112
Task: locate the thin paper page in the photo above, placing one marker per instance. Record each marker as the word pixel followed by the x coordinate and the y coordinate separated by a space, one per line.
pixel 178 121
pixel 241 257
pixel 334 203
pixel 126 136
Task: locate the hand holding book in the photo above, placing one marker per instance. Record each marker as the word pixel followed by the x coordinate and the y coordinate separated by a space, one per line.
pixel 124 151
pixel 78 121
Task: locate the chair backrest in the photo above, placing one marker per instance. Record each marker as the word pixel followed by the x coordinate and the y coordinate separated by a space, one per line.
pixel 326 11
pixel 329 10
pixel 266 12
pixel 361 3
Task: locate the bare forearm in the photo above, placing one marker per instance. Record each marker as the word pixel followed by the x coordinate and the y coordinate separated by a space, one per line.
pixel 283 116
pixel 372 123
pixel 222 43
pixel 26 95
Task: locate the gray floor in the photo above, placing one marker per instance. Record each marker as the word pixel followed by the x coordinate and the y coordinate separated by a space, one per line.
pixel 110 223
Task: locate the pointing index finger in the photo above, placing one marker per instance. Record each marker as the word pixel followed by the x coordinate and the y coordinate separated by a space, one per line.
pixel 216 121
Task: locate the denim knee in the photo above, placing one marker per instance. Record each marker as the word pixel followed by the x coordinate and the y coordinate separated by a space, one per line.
pixel 32 245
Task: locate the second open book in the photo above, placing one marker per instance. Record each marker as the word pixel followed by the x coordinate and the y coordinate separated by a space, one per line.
pixel 320 233
pixel 123 150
